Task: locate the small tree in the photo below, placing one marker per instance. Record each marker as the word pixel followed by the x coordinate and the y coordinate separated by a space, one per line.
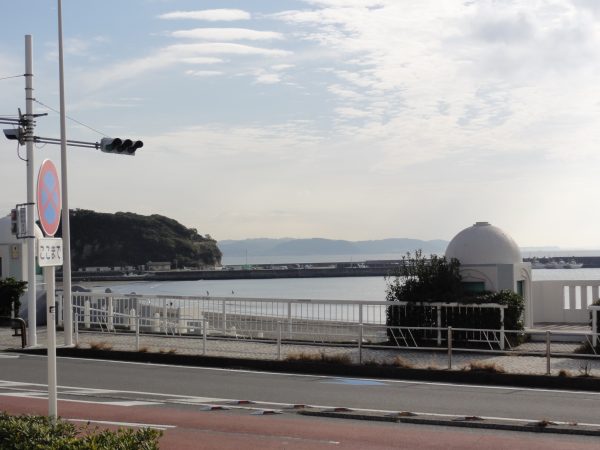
pixel 10 294
pixel 426 280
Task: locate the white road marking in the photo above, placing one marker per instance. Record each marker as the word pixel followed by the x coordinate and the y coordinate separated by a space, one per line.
pixel 125 424
pixel 6 356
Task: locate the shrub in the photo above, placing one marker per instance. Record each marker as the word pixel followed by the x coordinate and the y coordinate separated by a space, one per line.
pixel 420 282
pixel 482 366
pixel 339 358
pixel 10 294
pixel 36 432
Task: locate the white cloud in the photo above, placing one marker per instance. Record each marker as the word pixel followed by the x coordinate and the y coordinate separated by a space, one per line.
pixel 211 15
pixel 202 60
pixel 223 48
pixel 203 73
pixel 268 78
pixel 175 54
pixel 227 34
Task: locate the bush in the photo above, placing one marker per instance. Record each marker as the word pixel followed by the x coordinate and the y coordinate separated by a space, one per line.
pixel 420 282
pixel 36 432
pixel 10 295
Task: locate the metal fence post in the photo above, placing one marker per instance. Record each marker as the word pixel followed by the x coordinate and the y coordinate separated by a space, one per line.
pixel 76 327
pixel 86 314
pixel 278 340
pixel 289 316
pixel 110 326
pixel 204 331
pixel 595 327
pixel 137 333
pixel 501 328
pixel 360 340
pixel 449 348
pixel 224 316
pixel 439 326
pixel 547 352
pixel 59 310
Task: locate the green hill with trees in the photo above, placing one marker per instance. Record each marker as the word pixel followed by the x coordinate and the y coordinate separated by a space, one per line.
pixel 129 239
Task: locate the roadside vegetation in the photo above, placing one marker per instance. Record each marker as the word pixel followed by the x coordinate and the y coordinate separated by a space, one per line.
pixel 421 281
pixel 11 291
pixel 36 432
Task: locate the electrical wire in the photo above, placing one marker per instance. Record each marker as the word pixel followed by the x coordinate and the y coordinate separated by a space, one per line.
pixel 70 118
pixel 19 154
pixel 13 76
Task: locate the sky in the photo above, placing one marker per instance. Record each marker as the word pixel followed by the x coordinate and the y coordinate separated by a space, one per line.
pixel 342 119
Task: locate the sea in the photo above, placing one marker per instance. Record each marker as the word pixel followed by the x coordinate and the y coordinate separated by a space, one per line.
pixel 334 288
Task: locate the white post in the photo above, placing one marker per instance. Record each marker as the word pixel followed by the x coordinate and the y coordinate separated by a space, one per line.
pixel 76 326
pixel 137 333
pixel 59 312
pixel 132 325
pixel 595 327
pixel 501 328
pixel 278 340
pixel 111 318
pixel 449 348
pixel 547 353
pixel 66 228
pixel 224 316
pixel 360 341
pixel 31 288
pixel 204 331
pixel 289 317
pixel 439 325
pixel 51 327
pixel 86 313
pixel 164 315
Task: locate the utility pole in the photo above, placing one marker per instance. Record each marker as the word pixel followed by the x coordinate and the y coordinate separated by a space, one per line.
pixel 66 227
pixel 28 138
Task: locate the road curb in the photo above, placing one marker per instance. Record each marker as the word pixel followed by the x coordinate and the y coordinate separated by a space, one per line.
pixel 481 424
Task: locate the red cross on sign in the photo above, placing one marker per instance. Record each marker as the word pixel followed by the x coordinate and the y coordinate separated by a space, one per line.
pixel 48 198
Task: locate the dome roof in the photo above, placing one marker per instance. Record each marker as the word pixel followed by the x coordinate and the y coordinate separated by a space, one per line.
pixel 483 243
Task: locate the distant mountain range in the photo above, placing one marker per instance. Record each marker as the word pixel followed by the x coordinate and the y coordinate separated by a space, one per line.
pixel 318 246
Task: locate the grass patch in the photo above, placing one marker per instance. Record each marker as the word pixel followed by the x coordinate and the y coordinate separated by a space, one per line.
pixel 143 350
pixel 564 373
pixel 485 367
pixel 105 346
pixel 338 358
pixel 170 351
pixel 402 363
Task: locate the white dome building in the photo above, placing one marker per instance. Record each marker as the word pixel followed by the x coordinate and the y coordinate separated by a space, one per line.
pixel 490 260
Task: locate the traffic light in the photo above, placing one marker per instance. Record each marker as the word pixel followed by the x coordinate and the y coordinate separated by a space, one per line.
pixel 13 221
pixel 120 146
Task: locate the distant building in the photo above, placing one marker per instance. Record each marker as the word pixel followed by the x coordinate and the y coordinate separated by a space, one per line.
pixel 153 266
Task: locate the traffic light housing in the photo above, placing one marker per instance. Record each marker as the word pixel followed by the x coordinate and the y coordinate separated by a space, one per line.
pixel 13 222
pixel 120 146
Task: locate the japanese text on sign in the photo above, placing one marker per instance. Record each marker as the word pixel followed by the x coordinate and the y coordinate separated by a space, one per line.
pixel 50 252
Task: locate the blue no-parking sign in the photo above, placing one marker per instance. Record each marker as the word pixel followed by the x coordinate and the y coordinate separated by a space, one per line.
pixel 48 198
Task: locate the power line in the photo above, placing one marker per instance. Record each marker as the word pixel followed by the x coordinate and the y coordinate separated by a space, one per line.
pixel 74 120
pixel 13 76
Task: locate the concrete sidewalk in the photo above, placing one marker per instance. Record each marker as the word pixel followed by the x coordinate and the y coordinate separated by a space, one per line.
pixel 240 348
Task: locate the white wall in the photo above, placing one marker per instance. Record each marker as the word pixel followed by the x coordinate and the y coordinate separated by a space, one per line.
pixel 564 301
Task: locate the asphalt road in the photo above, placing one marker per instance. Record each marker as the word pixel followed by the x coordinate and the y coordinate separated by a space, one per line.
pixel 189 385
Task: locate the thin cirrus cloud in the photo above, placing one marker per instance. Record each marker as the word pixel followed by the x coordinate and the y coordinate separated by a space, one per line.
pixel 211 15
pixel 227 34
pixel 176 54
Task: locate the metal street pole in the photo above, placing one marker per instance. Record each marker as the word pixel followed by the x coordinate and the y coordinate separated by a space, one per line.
pixel 51 327
pixel 31 287
pixel 66 228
